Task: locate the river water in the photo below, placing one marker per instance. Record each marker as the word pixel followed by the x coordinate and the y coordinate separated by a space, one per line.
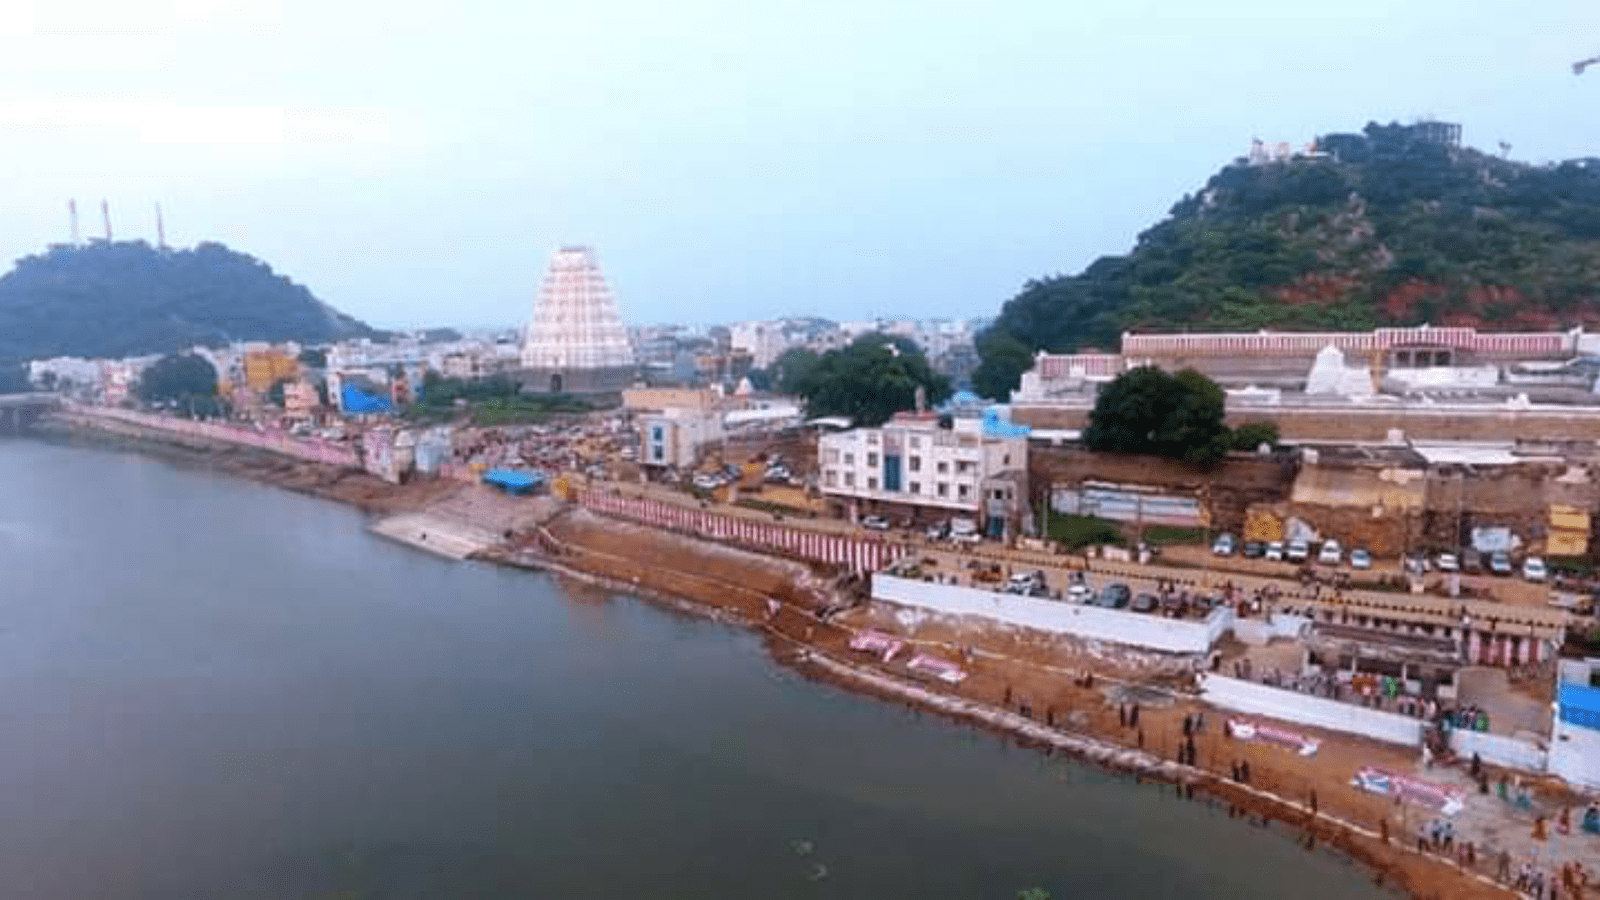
pixel 215 689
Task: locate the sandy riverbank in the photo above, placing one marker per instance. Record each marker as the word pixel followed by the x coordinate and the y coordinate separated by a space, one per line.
pixel 1009 673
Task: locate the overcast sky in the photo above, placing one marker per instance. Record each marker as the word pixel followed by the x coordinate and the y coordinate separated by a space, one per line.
pixel 415 163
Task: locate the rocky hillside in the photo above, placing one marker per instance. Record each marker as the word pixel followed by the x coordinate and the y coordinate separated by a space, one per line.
pixel 128 298
pixel 1379 228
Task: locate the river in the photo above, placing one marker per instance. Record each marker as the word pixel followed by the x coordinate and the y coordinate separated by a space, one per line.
pixel 213 688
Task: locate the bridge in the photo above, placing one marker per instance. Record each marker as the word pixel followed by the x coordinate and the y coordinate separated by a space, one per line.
pixel 18 411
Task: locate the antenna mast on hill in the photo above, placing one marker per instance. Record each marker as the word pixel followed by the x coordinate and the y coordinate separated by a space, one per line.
pixel 105 211
pixel 161 232
pixel 72 212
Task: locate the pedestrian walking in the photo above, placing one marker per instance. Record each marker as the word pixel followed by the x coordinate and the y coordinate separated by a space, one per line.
pixel 1133 716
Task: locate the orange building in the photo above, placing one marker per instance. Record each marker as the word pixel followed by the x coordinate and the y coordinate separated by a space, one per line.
pixel 264 368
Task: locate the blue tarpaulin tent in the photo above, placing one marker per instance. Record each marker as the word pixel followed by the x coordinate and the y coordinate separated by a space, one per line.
pixel 355 400
pixel 513 482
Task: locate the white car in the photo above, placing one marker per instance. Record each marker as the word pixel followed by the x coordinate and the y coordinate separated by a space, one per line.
pixel 1298 551
pixel 1275 551
pixel 876 523
pixel 1223 546
pixel 1360 559
pixel 1447 562
pixel 1080 593
pixel 1331 553
pixel 1533 569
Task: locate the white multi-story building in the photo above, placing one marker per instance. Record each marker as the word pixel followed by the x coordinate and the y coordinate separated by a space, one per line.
pixel 764 341
pixel 912 468
pixel 674 438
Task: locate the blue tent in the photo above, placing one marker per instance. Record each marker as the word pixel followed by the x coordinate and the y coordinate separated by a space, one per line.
pixel 513 482
pixel 355 400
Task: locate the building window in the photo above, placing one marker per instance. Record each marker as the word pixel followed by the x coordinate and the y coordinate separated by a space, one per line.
pixel 872 483
pixel 999 494
pixel 658 451
pixel 916 464
pixel 832 456
pixel 944 467
pixel 872 438
pixel 962 491
pixel 849 459
pixel 872 459
pixel 916 487
pixel 849 479
pixel 655 432
pixel 1005 460
pixel 944 489
pixel 963 467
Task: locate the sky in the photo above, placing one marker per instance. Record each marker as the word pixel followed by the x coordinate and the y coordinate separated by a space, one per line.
pixel 416 163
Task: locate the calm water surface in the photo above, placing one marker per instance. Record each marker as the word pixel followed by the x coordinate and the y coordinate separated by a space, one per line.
pixel 213 689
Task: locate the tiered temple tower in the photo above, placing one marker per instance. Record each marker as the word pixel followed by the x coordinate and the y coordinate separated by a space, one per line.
pixel 576 342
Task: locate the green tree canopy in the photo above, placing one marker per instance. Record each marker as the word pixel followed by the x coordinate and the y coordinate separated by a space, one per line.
pixel 870 380
pixel 314 357
pixel 1251 435
pixel 791 369
pixel 177 377
pixel 1147 410
pixel 1003 360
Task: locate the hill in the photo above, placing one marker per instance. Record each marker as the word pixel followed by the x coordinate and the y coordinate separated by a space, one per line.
pixel 128 298
pixel 1384 227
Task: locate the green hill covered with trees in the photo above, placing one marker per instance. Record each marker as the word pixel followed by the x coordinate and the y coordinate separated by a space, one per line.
pixel 1384 227
pixel 129 299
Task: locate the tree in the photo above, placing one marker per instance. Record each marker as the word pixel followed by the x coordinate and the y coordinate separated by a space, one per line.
pixel 1003 360
pixel 1252 435
pixel 14 377
pixel 275 393
pixel 870 380
pixel 1147 410
pixel 314 358
pixel 791 369
pixel 176 378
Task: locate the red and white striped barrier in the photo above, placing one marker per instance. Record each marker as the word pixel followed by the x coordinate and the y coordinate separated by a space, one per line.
pixel 857 554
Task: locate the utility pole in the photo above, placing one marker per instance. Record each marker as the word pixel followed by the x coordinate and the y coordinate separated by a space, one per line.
pixel 72 212
pixel 105 212
pixel 161 232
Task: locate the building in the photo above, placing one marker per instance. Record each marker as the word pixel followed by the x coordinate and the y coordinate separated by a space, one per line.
pixel 300 399
pixel 764 342
pixel 266 366
pixel 922 468
pixel 675 438
pixel 576 342
pixel 1575 739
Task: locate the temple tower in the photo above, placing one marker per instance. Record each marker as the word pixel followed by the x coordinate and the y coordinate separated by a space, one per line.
pixel 576 342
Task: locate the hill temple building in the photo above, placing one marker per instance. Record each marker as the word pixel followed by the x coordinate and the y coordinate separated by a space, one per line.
pixel 576 342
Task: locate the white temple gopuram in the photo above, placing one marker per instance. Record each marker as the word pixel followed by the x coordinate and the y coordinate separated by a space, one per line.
pixel 576 342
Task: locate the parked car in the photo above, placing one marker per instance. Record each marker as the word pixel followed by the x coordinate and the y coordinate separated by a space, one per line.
pixel 1533 569
pixel 1471 561
pixel 1254 550
pixel 1114 595
pixel 1080 593
pixel 1500 562
pixel 1416 563
pixel 1331 553
pixel 1274 551
pixel 1223 545
pixel 938 532
pixel 1026 582
pixel 1447 562
pixel 1360 559
pixel 1298 551
pixel 1145 603
pixel 876 523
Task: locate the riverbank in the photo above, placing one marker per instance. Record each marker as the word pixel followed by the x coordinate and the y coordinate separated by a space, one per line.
pixel 1031 698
